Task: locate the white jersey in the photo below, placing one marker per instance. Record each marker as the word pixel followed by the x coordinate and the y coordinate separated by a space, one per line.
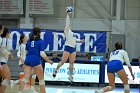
pixel 4 50
pixel 21 53
pixel 70 38
pixel 120 55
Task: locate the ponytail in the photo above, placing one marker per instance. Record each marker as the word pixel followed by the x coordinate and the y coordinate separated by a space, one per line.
pixel 21 39
pixel 36 34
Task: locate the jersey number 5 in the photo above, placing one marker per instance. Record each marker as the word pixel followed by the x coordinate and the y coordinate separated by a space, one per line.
pixel 32 44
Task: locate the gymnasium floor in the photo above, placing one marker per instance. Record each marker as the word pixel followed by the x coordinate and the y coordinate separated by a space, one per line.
pixel 70 89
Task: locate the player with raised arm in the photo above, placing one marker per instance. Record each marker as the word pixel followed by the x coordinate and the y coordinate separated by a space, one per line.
pixel 70 47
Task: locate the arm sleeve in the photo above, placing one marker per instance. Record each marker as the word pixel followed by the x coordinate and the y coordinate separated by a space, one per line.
pixel 67 24
pixel 18 53
pixel 126 58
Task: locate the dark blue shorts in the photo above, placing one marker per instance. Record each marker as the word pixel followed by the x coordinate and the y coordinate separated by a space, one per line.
pixel 69 49
pixel 32 60
pixel 2 63
pixel 114 66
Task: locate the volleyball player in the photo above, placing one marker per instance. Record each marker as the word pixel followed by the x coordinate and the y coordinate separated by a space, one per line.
pixel 69 49
pixel 115 65
pixel 21 54
pixel 6 75
pixel 1 32
pixel 35 49
pixel 3 51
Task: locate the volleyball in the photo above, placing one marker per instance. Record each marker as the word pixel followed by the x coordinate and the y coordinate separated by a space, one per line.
pixel 69 9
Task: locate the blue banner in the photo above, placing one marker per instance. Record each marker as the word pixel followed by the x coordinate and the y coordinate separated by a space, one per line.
pixel 54 40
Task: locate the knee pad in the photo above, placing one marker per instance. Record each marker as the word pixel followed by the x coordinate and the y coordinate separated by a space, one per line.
pixel 41 82
pixel 71 65
pixel 110 88
pixel 126 87
pixel 24 80
pixel 34 76
pixel 5 82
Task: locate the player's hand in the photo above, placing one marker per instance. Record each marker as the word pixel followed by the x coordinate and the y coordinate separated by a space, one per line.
pixel 51 62
pixel 133 76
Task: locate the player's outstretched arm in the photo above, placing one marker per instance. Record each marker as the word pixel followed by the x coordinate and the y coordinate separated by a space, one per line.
pixel 127 61
pixel 80 40
pixel 45 57
pixel 67 22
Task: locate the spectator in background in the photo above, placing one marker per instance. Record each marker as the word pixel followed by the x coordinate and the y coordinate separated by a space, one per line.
pixel 55 57
pixel 88 56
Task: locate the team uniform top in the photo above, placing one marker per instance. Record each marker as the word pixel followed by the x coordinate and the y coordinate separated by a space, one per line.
pixel 34 47
pixel 120 55
pixel 4 50
pixel 21 53
pixel 33 52
pixel 70 37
